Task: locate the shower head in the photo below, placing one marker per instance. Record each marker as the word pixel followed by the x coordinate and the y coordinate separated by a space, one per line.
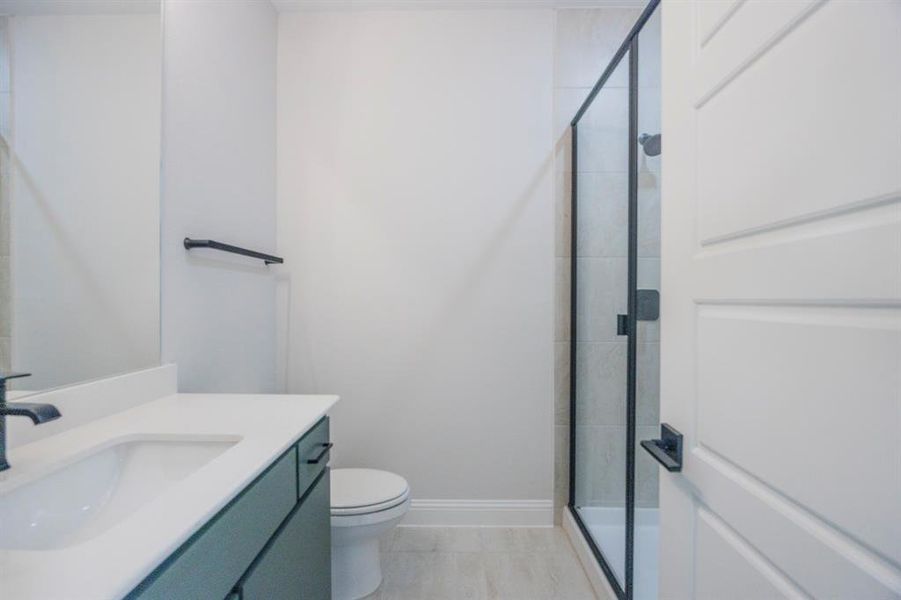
pixel 650 143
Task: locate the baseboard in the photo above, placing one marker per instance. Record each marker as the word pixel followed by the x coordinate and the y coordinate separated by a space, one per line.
pixel 589 563
pixel 480 513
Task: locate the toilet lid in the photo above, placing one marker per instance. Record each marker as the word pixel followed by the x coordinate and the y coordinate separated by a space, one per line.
pixel 357 491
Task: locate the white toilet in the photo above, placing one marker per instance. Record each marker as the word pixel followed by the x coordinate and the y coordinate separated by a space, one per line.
pixel 366 504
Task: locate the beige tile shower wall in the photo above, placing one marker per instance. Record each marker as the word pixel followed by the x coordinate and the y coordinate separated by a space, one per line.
pixel 5 289
pixel 586 40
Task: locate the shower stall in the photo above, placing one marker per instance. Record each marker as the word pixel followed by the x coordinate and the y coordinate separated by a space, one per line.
pixel 615 358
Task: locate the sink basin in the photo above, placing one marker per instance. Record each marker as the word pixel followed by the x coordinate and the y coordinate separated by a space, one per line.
pixel 83 499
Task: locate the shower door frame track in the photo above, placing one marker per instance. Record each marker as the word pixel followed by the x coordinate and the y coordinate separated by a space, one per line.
pixel 630 45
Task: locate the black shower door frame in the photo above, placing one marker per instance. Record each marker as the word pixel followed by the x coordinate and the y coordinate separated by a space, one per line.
pixel 630 46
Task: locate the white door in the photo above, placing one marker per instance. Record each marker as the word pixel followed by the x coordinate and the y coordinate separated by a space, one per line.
pixel 781 299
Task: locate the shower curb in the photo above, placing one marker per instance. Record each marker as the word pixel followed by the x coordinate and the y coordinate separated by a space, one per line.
pixel 596 577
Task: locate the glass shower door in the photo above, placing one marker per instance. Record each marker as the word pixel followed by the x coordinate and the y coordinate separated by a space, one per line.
pixel 615 362
pixel 601 283
pixel 647 363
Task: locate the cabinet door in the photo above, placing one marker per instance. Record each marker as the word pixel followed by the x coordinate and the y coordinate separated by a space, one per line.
pixel 297 564
pixel 208 565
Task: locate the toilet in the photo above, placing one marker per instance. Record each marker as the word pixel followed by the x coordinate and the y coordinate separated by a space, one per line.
pixel 366 505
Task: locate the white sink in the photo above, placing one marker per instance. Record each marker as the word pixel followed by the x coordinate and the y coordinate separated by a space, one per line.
pixel 81 500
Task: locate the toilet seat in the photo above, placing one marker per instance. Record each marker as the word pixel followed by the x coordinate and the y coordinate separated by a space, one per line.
pixel 366 491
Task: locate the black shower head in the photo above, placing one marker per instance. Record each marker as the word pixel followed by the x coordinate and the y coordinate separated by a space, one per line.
pixel 650 143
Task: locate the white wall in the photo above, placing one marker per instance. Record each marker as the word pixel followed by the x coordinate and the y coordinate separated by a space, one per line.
pixel 416 216
pixel 218 182
pixel 6 307
pixel 85 195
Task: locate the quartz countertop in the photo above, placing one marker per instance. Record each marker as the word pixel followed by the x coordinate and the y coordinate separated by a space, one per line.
pixel 111 564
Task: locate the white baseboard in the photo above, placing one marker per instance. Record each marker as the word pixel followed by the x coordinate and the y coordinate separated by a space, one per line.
pixel 586 557
pixel 480 513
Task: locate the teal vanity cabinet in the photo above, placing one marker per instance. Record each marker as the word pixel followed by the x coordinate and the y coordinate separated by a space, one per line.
pixel 294 565
pixel 272 542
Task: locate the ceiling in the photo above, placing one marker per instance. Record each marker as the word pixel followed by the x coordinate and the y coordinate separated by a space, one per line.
pixel 297 5
pixel 39 7
pixel 81 7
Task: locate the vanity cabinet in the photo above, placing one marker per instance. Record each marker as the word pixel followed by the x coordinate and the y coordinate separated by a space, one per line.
pixel 294 565
pixel 273 541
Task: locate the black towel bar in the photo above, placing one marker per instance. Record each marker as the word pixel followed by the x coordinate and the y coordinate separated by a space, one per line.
pixel 266 258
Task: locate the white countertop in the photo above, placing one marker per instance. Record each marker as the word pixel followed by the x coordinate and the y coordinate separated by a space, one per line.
pixel 113 563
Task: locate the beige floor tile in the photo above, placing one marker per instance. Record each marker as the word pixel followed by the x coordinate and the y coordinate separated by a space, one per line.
pixel 435 539
pixel 463 539
pixel 524 539
pixel 568 580
pixel 515 575
pixel 547 539
pixel 432 575
pixel 420 563
pixel 417 539
pixel 502 539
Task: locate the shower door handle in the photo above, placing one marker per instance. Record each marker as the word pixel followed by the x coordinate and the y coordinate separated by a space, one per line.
pixel 667 450
pixel 647 309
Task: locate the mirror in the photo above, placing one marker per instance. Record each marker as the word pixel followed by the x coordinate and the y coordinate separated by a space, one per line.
pixel 79 189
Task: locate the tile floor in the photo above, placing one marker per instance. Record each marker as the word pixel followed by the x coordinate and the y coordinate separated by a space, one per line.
pixel 461 563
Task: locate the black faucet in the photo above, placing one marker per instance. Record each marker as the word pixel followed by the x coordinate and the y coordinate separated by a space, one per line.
pixel 38 413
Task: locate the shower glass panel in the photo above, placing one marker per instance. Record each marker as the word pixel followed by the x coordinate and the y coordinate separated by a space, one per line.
pixel 601 254
pixel 615 357
pixel 647 351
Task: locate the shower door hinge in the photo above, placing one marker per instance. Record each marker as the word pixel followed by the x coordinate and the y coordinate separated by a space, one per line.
pixel 648 305
pixel 647 309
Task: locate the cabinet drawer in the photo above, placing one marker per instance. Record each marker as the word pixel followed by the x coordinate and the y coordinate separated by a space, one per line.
pixel 313 446
pixel 208 564
pixel 296 565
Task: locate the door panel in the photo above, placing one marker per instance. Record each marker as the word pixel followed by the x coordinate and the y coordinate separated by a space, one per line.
pixel 812 115
pixel 736 32
pixel 819 260
pixel 820 559
pixel 727 567
pixel 712 16
pixel 801 432
pixel 781 303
